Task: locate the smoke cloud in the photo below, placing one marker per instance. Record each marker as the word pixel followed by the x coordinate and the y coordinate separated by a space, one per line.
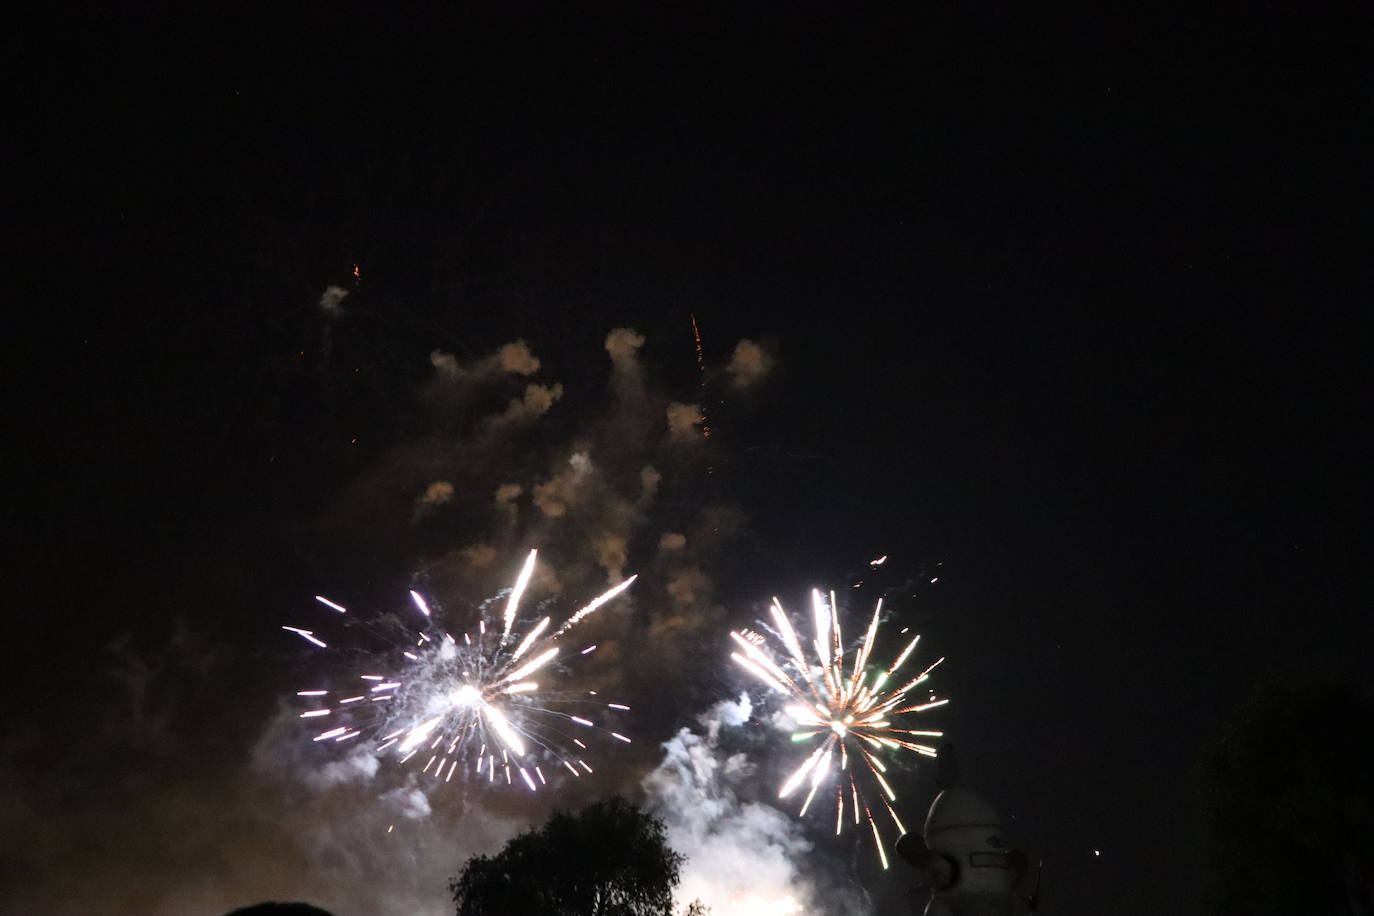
pixel 749 364
pixel 513 358
pixel 603 494
pixel 683 420
pixel 437 493
pixel 740 853
pixel 623 344
pixel 331 300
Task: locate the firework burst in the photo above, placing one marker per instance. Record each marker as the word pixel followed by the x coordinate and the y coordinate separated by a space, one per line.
pixel 843 709
pixel 466 704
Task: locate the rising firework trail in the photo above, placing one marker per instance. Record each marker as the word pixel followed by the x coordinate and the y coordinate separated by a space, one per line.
pixel 467 704
pixel 844 711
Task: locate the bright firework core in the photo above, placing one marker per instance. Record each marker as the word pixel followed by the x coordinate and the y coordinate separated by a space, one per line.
pixel 452 702
pixel 467 695
pixel 842 709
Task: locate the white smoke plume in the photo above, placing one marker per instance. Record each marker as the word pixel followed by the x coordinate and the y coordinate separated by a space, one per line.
pixel 739 852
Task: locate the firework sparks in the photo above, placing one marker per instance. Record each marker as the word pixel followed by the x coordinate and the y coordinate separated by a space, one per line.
pixel 701 372
pixel 446 699
pixel 843 709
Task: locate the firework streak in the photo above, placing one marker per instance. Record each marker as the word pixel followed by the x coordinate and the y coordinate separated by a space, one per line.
pixel 467 703
pixel 843 710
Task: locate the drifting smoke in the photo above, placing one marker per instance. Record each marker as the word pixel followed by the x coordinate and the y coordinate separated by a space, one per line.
pixel 437 493
pixel 211 833
pixel 535 403
pixel 478 556
pixel 743 857
pixel 614 493
pixel 612 554
pixel 623 344
pixel 554 495
pixel 684 420
pixel 331 301
pixel 749 364
pixel 649 479
pixel 513 358
pixel 689 587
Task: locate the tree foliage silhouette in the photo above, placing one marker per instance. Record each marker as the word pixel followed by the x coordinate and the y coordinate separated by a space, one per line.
pixel 609 859
pixel 1291 806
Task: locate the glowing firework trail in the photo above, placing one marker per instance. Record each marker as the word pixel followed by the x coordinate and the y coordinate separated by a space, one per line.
pixel 516 593
pixel 701 372
pixel 596 603
pixel 464 698
pixel 847 717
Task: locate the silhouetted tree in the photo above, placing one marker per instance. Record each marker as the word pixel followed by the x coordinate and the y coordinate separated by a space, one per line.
pixel 609 859
pixel 1291 806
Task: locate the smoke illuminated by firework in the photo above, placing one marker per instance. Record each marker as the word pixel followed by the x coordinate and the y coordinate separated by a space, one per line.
pixel 468 703
pixel 843 709
pixel 783 906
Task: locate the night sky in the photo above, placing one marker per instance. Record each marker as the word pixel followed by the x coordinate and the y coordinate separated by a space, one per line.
pixel 1070 311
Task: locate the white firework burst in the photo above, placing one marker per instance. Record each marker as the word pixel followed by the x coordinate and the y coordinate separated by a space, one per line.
pixel 469 703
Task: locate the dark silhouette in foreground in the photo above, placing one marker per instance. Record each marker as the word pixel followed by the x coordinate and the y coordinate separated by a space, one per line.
pixel 280 909
pixel 609 859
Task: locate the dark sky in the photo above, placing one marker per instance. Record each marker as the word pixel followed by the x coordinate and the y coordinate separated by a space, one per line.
pixel 1069 309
